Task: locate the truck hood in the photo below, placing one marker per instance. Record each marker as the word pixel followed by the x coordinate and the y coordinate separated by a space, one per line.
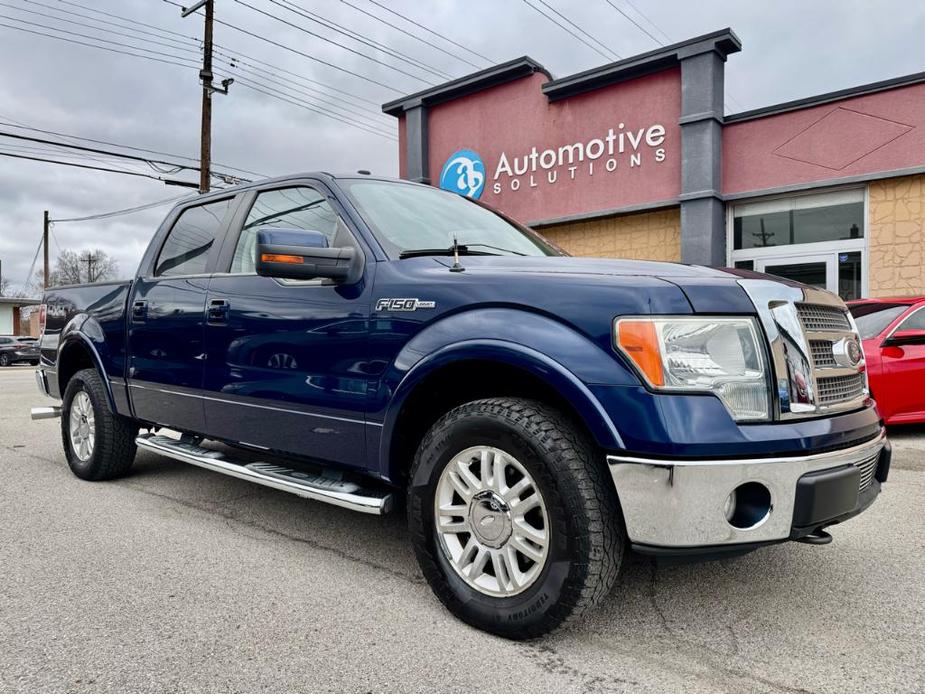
pixel 709 290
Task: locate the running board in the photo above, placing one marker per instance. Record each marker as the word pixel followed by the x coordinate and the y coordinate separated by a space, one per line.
pixel 317 487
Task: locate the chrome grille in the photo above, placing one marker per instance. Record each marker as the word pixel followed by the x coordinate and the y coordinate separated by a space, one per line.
pixel 835 389
pixel 868 468
pixel 818 317
pixel 823 357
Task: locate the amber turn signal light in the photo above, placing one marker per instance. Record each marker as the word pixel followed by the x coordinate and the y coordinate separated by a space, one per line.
pixel 639 341
pixel 276 258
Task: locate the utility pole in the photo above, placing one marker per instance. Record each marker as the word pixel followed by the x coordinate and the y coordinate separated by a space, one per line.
pixel 90 260
pixel 47 225
pixel 205 153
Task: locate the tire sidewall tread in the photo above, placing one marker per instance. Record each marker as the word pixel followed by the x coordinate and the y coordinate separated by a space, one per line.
pixel 586 542
pixel 114 445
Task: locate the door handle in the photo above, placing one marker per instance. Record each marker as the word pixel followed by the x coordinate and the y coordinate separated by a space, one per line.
pixel 218 311
pixel 139 311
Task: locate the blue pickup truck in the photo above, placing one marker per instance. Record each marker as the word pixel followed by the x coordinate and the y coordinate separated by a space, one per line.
pixel 363 341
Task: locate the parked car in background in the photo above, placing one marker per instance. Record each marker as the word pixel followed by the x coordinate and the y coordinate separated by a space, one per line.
pixel 893 338
pixel 15 350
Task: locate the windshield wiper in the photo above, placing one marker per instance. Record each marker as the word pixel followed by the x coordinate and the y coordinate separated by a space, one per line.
pixel 462 250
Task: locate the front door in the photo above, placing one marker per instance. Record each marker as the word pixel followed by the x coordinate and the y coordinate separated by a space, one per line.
pixel 166 321
pixel 904 370
pixel 286 367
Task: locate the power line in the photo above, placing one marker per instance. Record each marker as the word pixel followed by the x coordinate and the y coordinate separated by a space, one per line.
pixel 552 9
pixel 116 213
pixel 408 33
pixel 92 45
pixel 83 166
pixel 657 40
pixel 635 23
pixel 430 31
pixel 648 19
pixel 94 150
pixel 340 29
pixel 96 28
pixel 288 99
pixel 234 55
pixel 95 38
pixel 18 124
pixel 566 29
pixel 296 51
pixel 281 83
pixel 335 43
pixel 137 55
pixel 217 46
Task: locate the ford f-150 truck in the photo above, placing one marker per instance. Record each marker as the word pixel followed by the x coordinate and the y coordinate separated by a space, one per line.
pixel 354 340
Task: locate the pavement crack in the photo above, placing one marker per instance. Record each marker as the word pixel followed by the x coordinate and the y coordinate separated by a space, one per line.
pixel 231 519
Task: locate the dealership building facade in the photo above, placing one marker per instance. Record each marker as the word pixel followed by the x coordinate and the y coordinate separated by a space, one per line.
pixel 637 159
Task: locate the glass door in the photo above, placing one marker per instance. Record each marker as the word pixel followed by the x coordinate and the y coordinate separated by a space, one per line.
pixel 816 270
pixel 840 273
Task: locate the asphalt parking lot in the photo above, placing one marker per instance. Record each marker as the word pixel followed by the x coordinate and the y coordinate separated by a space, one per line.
pixel 176 579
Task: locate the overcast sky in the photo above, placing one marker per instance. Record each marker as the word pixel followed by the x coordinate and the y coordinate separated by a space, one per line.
pixel 791 49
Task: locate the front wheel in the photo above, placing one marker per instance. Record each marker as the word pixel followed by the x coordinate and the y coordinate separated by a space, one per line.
pixel 514 522
pixel 98 444
pixel 5 360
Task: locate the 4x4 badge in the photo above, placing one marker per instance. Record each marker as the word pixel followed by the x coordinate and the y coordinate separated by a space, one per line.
pixel 403 304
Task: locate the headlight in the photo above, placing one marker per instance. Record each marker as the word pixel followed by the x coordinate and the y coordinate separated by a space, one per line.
pixel 722 356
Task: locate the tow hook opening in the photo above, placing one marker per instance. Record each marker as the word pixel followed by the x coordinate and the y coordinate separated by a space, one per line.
pixel 816 537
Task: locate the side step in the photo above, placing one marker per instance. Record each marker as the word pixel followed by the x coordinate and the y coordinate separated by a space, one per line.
pixel 332 491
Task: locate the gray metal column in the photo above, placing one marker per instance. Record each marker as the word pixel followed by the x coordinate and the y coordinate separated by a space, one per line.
pixel 417 163
pixel 703 216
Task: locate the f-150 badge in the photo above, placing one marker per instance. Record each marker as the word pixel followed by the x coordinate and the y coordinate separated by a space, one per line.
pixel 403 304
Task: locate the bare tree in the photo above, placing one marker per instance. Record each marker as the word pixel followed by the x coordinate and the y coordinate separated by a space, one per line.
pixel 72 267
pixel 6 289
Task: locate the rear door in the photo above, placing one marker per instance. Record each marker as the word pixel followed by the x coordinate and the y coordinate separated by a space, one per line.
pixel 287 360
pixel 167 318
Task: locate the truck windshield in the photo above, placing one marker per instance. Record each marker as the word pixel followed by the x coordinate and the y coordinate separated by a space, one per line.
pixel 407 218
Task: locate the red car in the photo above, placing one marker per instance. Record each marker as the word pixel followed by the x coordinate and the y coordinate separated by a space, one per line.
pixel 893 337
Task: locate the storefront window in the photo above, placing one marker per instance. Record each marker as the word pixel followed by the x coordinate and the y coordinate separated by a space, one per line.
pixel 815 239
pixel 807 219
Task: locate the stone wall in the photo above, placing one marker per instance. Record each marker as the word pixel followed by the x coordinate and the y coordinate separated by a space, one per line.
pixel 897 236
pixel 643 236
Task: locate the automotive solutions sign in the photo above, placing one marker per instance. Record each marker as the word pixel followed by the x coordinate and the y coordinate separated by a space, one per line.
pixel 618 148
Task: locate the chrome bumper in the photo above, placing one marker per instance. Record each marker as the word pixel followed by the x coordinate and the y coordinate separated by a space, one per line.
pixel 682 503
pixel 41 380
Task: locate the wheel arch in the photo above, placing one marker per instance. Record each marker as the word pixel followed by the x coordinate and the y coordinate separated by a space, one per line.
pixel 75 353
pixel 476 369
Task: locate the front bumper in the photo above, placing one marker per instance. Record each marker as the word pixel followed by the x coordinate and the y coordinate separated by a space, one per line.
pixel 681 505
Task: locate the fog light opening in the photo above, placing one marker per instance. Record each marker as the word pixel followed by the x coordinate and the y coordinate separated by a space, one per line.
pixel 748 505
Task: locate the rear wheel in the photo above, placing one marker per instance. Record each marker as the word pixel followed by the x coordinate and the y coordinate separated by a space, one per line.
pixel 514 522
pixel 98 444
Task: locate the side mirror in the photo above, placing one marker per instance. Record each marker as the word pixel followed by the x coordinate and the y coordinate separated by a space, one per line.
pixel 303 254
pixel 905 337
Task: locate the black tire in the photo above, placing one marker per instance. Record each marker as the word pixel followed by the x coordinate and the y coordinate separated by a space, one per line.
pixel 33 363
pixel 5 360
pixel 114 446
pixel 586 533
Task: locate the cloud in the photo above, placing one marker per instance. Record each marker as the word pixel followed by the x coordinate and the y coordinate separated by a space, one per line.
pixel 791 49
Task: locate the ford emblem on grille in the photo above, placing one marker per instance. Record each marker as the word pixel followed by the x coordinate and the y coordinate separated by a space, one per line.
pixel 847 352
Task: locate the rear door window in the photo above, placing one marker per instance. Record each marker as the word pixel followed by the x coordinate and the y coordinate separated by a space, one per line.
pixel 192 240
